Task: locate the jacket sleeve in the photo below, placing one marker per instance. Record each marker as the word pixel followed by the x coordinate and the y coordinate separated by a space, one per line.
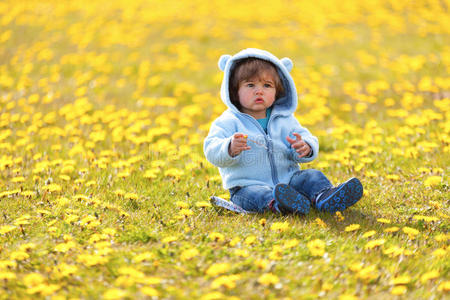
pixel 216 145
pixel 311 140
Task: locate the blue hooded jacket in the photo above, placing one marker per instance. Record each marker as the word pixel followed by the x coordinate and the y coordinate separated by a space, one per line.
pixel 271 160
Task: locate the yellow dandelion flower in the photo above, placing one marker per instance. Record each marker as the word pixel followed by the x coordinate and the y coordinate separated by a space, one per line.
pixel 375 243
pixel 262 264
pixel 444 287
pixel 52 188
pixel 352 227
pixel 399 290
pixel 268 279
pixel 28 194
pixel 216 236
pixel 217 269
pixel 321 223
pixel 18 179
pixel 368 273
pixel 152 173
pixel 7 276
pixel 64 247
pixel 90 260
pixel 393 177
pixel 7 264
pixel 181 204
pixel 149 291
pixel 186 212
pixel 276 253
pixel 131 196
pixel 91 183
pixel 43 289
pixel 33 279
pixel 440 252
pixel 169 239
pixel 123 174
pixel 213 296
pixel 369 233
pixel 189 254
pixel 292 243
pixel 18 255
pixel 432 181
pixel 403 279
pixel 6 228
pixel 392 229
pixel 411 232
pixel 279 226
pixel 64 177
pixel 371 174
pixel 27 247
pixel 203 204
pixel 235 241
pixel 263 222
pixel 383 220
pixel 316 247
pixel 145 256
pixel 429 276
pixel 65 270
pixel 425 218
pixel 226 281
pixel 339 216
pixel 241 253
pixel 394 251
pixel 114 293
pixel 250 240
pixel 174 173
pixel 356 267
pixel 442 237
pixel 119 192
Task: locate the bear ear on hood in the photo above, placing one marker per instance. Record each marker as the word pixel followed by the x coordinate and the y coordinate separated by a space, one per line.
pixel 287 62
pixel 223 61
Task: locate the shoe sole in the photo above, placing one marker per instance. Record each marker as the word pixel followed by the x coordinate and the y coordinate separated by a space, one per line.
pixel 228 205
pixel 347 195
pixel 290 200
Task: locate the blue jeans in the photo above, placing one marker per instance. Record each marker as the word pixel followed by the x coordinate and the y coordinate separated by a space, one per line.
pixel 256 198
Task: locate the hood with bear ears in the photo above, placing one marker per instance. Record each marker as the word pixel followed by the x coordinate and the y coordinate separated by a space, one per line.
pixel 285 105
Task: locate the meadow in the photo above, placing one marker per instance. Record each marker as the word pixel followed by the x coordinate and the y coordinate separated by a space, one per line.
pixel 104 188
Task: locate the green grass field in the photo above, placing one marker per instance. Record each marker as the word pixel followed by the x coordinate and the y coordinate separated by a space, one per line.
pixel 104 188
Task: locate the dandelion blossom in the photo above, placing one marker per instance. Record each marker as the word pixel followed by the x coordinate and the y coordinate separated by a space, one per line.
pixel 316 247
pixel 217 269
pixel 429 276
pixel 280 226
pixel 432 181
pixel 352 227
pixel 268 279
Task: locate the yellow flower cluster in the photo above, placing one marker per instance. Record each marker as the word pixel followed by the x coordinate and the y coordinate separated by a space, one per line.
pixel 104 187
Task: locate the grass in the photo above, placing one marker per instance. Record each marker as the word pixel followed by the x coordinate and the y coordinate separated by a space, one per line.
pixel 104 187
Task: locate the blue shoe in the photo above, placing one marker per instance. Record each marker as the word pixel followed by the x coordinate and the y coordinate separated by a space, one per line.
pixel 341 197
pixel 289 200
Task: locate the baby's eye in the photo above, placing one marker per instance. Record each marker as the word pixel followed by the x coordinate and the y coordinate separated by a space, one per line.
pixel 250 85
pixel 267 85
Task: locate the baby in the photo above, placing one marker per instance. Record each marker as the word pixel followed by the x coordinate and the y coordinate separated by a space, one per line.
pixel 257 143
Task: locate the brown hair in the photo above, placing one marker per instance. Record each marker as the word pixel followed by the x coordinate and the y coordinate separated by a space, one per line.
pixel 250 68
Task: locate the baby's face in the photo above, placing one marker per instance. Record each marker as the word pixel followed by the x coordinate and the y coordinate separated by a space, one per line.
pixel 256 95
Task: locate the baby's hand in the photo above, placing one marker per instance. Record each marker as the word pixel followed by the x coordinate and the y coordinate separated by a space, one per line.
pixel 238 144
pixel 300 146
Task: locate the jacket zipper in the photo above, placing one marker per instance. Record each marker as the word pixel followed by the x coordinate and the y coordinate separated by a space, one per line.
pixel 271 158
pixel 273 170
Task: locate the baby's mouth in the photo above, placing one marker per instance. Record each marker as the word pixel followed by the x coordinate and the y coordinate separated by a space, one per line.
pixel 259 100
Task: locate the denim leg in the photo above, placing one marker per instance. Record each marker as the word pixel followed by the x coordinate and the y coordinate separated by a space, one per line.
pixel 253 197
pixel 310 182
